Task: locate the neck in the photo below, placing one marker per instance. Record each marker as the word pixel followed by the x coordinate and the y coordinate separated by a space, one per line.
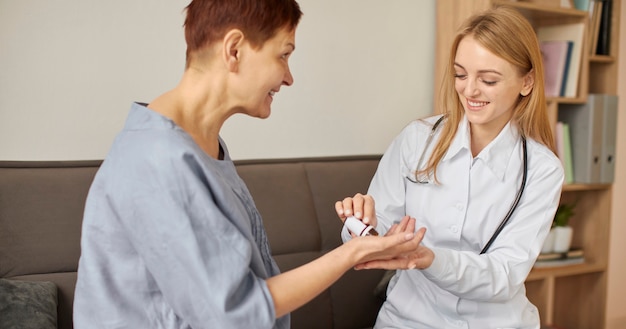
pixel 481 137
pixel 482 134
pixel 196 111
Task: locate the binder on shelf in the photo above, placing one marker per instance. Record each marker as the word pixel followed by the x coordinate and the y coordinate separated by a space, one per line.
pixel 609 137
pixel 593 132
pixel 575 33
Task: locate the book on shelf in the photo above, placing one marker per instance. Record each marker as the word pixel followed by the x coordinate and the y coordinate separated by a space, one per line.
pixel 604 31
pixel 554 259
pixel 595 12
pixel 575 33
pixel 556 55
pixel 564 150
pixel 572 253
pixel 582 4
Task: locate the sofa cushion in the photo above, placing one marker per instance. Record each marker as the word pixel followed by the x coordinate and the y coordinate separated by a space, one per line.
pixel 65 283
pixel 28 304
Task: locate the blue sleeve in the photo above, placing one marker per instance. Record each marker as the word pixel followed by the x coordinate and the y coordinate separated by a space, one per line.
pixel 200 261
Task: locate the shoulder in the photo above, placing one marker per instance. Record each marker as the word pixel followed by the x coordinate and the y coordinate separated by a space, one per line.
pixel 541 153
pixel 153 159
pixel 424 124
pixel 543 162
pixel 420 128
pixel 410 142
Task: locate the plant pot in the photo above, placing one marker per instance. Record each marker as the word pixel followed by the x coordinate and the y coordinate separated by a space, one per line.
pixel 562 238
pixel 548 244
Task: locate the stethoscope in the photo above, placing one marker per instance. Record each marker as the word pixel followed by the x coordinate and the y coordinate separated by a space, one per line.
pixel 507 217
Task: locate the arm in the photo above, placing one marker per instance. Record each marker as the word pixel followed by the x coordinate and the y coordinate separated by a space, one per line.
pixel 172 243
pixel 498 274
pixel 501 272
pixel 390 175
pixel 199 260
pixel 294 288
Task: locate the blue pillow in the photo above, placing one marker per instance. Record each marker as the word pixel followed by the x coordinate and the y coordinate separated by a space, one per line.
pixel 28 304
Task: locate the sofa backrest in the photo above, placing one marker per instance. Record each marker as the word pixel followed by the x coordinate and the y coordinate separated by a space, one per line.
pixel 41 209
pixel 296 198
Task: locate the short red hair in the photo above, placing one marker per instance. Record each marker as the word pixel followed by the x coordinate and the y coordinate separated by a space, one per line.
pixel 208 20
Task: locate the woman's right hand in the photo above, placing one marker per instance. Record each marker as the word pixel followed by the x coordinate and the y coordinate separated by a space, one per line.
pixel 360 206
pixel 395 250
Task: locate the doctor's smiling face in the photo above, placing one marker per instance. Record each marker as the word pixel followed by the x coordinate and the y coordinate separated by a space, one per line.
pixel 488 86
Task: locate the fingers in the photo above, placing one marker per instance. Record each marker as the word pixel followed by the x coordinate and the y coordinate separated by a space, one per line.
pixel 419 235
pixel 389 264
pixel 409 254
pixel 369 211
pixel 340 211
pixel 406 242
pixel 406 224
pixel 360 206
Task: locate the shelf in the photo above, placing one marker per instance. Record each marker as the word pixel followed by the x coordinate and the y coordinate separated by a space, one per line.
pixel 602 59
pixel 585 187
pixel 566 270
pixel 542 10
pixel 567 100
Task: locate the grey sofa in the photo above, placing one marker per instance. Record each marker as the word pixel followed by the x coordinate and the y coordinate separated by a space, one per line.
pixel 41 206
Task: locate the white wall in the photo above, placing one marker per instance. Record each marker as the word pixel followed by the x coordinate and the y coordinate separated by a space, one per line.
pixel 69 70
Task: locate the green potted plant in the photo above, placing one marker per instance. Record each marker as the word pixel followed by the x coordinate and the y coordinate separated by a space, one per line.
pixel 561 230
pixel 564 212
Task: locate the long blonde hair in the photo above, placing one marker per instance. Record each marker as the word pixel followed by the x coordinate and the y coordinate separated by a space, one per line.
pixel 507 34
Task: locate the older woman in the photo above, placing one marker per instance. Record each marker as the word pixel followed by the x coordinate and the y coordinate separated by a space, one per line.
pixel 171 237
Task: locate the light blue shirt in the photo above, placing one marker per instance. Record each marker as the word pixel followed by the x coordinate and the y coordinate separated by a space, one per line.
pixel 462 289
pixel 171 238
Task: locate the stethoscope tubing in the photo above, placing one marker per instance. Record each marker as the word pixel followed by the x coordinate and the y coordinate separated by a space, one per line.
pixel 506 218
pixel 518 196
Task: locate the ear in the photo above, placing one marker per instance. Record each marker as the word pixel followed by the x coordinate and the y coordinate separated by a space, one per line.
pixel 529 83
pixel 232 50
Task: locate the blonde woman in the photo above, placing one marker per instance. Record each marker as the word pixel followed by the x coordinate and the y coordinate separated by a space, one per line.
pixel 482 178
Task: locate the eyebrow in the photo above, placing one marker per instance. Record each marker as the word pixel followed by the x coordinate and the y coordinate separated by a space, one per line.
pixel 293 46
pixel 480 71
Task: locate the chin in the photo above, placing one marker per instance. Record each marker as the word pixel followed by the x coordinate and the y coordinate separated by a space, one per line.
pixel 476 118
pixel 263 113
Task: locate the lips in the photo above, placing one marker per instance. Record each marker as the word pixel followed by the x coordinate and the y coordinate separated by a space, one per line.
pixel 476 104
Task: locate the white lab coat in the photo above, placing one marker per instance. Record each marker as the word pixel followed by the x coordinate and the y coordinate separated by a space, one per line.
pixel 462 289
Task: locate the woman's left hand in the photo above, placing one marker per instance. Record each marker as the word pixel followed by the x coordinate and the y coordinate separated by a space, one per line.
pixel 420 258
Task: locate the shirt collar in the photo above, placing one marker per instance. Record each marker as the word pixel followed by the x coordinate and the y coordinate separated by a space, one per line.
pixel 496 155
pixel 461 140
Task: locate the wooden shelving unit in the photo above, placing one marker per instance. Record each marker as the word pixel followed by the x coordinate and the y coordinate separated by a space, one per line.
pixel 572 296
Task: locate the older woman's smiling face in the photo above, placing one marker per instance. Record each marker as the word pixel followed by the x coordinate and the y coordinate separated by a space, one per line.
pixel 264 71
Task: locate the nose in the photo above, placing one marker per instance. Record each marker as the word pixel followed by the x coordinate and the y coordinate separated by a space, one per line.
pixel 471 87
pixel 288 78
